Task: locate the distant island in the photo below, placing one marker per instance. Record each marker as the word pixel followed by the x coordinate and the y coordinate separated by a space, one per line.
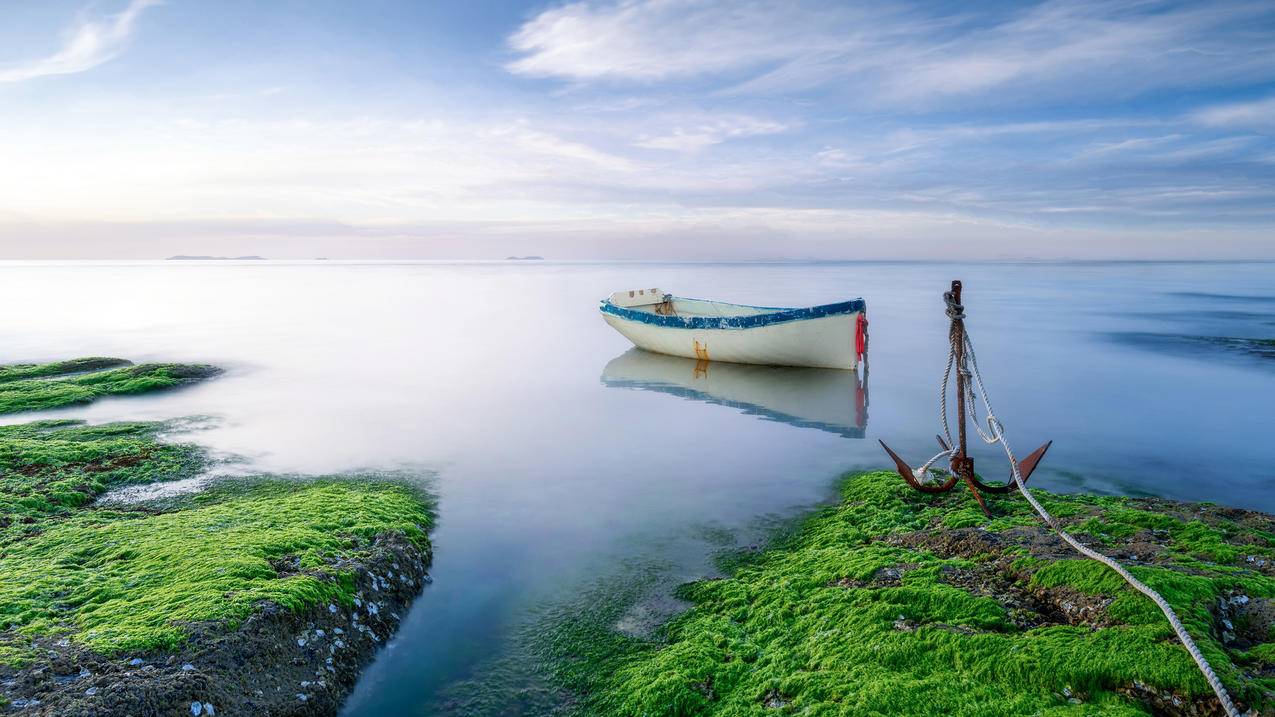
pixel 524 258
pixel 184 257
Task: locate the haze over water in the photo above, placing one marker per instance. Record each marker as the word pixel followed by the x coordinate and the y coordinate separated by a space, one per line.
pixel 555 461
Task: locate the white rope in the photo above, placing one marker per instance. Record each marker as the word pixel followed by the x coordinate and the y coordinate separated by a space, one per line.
pixel 923 474
pixel 998 436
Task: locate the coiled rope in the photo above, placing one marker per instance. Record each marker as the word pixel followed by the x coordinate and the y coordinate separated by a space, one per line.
pixel 997 435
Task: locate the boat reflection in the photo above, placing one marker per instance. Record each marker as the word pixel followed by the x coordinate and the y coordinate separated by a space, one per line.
pixel 830 400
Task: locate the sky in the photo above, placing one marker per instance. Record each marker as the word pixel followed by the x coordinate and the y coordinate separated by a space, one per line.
pixel 637 129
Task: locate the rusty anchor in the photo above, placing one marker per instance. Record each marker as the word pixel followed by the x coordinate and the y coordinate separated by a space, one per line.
pixel 961 465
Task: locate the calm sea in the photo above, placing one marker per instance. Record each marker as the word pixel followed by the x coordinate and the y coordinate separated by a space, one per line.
pixel 558 455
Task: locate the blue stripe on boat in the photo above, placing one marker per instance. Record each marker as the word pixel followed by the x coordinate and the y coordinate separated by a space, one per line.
pixel 776 316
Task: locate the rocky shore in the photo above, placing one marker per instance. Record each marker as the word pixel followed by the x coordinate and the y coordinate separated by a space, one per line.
pixel 257 596
pixel 277 662
pixel 895 602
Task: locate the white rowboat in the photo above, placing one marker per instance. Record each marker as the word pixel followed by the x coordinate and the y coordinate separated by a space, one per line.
pixel 828 336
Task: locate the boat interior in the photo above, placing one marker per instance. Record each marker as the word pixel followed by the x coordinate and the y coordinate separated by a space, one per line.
pixel 656 302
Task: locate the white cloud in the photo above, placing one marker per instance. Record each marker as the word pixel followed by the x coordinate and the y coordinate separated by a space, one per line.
pixel 85 46
pixel 902 55
pixel 362 169
pixel 645 39
pixel 706 132
pixel 1259 114
pixel 530 169
pixel 555 148
pixel 1135 144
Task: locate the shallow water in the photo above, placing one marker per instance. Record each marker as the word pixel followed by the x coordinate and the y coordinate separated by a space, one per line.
pixel 558 456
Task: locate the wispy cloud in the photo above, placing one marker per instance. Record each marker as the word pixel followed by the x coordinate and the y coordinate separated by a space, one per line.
pixel 706 132
pixel 552 147
pixel 1258 114
pixel 754 124
pixel 1136 144
pixel 1053 51
pixel 85 45
pixel 644 40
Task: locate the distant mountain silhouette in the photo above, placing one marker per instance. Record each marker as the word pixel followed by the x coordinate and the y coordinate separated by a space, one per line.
pixel 184 257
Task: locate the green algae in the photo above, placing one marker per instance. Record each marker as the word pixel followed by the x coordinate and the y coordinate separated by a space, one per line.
pixel 809 627
pixel 131 581
pixel 140 579
pixel 31 387
pixel 1263 654
pixel 14 372
pixel 50 468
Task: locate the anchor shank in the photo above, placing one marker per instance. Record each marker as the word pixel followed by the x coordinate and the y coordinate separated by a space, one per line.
pixel 957 337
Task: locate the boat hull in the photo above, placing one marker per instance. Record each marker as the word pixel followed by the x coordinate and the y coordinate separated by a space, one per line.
pixel 821 342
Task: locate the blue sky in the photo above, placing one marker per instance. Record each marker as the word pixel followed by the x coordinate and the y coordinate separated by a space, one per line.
pixel 637 129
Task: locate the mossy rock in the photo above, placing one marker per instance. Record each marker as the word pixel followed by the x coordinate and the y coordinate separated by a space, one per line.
pixel 51 468
pixel 120 597
pixel 895 602
pixel 116 581
pixel 32 387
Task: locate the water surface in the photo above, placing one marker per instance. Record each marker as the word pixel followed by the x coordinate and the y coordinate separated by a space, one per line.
pixel 558 456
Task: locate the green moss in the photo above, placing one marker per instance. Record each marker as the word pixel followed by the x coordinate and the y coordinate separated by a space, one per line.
pixel 1263 655
pixel 1104 531
pixel 14 372
pixel 138 580
pixel 802 629
pixel 30 387
pixel 133 581
pixel 49 468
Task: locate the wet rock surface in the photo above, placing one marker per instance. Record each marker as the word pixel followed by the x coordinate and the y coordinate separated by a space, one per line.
pixel 277 662
pixel 1240 621
pixel 997 574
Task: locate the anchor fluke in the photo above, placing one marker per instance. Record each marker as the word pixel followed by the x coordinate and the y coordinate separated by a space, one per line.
pixel 1028 464
pixel 910 476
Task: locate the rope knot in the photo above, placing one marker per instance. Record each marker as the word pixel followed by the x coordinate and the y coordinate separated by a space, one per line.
pixel 955 311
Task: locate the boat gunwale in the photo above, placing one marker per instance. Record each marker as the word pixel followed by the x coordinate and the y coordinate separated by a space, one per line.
pixel 774 315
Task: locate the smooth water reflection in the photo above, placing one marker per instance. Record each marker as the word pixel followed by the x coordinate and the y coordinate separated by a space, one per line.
pixel 487 376
pixel 823 399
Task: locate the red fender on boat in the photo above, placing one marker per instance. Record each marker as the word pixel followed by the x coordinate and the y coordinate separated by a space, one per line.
pixel 861 334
